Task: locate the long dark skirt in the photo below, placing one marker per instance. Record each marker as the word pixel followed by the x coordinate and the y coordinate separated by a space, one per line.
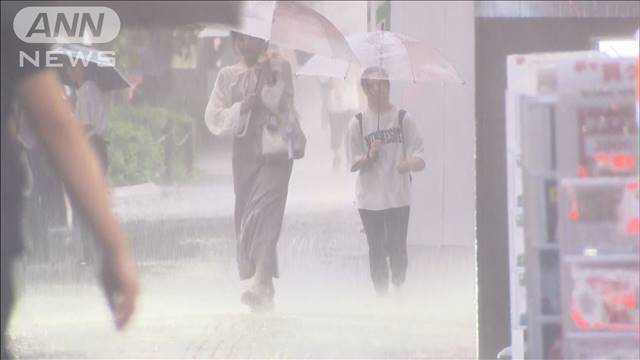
pixel 261 188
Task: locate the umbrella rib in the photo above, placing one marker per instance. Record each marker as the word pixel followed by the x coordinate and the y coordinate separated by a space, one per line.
pixel 413 72
pixel 411 65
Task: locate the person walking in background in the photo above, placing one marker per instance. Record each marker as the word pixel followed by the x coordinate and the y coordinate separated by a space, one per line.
pixel 45 204
pixel 40 94
pixel 89 108
pixel 342 103
pixel 241 104
pixel 325 91
pixel 383 146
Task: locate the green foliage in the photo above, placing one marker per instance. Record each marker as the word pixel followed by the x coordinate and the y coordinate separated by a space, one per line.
pixel 165 41
pixel 137 144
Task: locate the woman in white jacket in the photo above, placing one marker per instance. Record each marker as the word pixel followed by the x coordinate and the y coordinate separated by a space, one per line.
pixel 239 106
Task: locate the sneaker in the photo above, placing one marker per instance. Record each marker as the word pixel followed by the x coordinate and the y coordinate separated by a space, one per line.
pixel 258 303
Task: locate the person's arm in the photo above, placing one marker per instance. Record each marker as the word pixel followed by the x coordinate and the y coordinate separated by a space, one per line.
pixel 289 89
pixel 358 157
pixel 54 123
pixel 368 158
pixel 412 164
pixel 415 148
pixel 417 164
pixel 223 117
pixel 359 164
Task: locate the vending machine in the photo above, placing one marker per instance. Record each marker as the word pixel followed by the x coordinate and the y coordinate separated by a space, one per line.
pixel 598 213
pixel 572 150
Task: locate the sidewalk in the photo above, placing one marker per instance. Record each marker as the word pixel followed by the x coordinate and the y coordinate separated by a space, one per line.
pixel 324 309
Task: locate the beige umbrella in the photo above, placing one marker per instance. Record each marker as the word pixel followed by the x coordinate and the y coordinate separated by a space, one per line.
pixel 295 26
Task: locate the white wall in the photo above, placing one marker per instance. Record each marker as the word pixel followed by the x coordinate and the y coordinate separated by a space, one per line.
pixel 443 209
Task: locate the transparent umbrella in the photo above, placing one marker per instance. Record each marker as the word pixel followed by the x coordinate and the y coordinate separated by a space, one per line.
pixel 402 57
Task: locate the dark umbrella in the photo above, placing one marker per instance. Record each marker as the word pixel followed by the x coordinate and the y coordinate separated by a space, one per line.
pixel 104 73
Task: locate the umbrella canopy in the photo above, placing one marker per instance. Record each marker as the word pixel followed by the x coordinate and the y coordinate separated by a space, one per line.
pixel 324 67
pixel 293 25
pixel 402 58
pixel 104 72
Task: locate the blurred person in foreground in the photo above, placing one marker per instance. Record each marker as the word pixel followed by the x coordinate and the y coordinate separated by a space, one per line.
pixel 250 101
pixel 90 111
pixel 384 146
pixel 41 96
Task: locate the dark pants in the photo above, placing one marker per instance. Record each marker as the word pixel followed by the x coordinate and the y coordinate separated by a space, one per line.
pixel 387 237
pixel 45 207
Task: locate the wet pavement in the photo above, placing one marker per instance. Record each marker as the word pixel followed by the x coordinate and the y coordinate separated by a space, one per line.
pixel 325 308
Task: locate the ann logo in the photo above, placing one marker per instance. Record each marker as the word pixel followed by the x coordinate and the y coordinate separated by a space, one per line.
pixel 76 27
pixel 71 24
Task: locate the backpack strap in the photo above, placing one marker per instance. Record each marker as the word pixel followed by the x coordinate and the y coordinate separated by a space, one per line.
pixel 401 115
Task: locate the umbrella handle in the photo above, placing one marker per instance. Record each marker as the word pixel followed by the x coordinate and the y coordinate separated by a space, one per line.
pixel 258 78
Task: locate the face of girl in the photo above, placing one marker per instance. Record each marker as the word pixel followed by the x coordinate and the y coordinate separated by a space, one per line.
pixel 377 90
